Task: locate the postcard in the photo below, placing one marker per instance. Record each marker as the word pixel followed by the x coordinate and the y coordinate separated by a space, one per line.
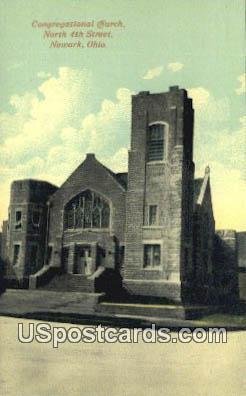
pixel 123 197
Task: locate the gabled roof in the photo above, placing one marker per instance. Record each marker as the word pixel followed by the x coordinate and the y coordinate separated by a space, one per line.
pixel 91 161
pixel 197 188
pixel 205 184
pixel 202 193
pixel 201 186
pixel 121 178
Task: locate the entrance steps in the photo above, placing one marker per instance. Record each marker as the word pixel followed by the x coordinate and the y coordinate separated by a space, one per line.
pixel 71 283
pixel 154 310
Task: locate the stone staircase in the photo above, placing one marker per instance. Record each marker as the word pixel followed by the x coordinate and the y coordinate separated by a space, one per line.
pixel 150 310
pixel 71 283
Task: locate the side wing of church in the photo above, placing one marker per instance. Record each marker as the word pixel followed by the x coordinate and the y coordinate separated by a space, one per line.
pixel 149 232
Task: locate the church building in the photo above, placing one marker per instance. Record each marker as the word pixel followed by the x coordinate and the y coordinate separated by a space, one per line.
pixel 149 232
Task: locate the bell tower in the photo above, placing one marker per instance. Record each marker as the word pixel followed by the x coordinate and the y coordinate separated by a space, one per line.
pixel 159 201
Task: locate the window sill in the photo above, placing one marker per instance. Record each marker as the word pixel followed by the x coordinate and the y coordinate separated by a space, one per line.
pixel 156 162
pixel 159 268
pixel 156 227
pixel 87 229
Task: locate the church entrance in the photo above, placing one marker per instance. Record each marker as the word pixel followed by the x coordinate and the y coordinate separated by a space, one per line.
pixel 83 260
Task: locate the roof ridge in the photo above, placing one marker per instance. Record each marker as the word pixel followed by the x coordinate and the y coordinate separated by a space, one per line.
pixel 203 187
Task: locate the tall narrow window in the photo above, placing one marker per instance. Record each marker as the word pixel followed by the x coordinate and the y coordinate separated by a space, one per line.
pixel 49 254
pixel 16 257
pixel 18 217
pixel 64 258
pixel 155 142
pixel 33 249
pixel 152 256
pixel 36 217
pixel 152 215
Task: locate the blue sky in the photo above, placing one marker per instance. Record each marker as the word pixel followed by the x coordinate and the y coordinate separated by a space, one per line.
pixel 58 104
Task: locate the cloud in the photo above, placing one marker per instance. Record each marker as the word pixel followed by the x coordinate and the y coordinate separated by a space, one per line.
pixel 228 196
pixel 223 150
pixel 48 132
pixel 156 71
pixel 175 66
pixel 119 161
pixel 199 95
pixel 152 73
pixel 242 80
pixel 99 129
pixel 210 110
pixel 230 148
pixel 38 117
pixel 212 138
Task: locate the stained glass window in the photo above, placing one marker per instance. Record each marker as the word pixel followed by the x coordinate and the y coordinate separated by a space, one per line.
pixel 87 210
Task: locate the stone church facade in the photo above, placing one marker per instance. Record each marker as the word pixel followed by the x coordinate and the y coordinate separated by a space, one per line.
pixel 149 232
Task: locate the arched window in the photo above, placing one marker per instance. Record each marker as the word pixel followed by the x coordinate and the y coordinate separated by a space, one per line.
pixel 156 142
pixel 87 210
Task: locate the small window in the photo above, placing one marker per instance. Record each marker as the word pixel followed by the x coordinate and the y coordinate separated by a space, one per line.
pixel 152 215
pixel 18 217
pixel 36 217
pixel 16 257
pixel 155 142
pixel 152 256
pixel 49 254
pixel 33 256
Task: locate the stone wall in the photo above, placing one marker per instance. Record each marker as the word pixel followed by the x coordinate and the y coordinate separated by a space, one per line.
pixel 2 276
pixel 226 265
pixel 92 175
pixel 27 197
pixel 242 285
pixel 4 245
pixel 241 248
pixel 163 183
pixel 203 244
pixel 241 254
